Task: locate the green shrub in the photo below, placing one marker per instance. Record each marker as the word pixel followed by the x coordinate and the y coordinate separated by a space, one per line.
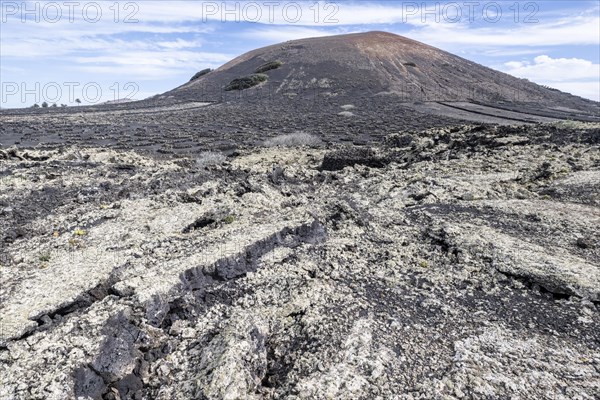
pixel 200 74
pixel 268 66
pixel 246 82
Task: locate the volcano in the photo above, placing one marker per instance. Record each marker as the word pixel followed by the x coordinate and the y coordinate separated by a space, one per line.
pixel 377 65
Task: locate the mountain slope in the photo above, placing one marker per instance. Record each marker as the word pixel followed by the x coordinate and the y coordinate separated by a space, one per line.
pixel 376 64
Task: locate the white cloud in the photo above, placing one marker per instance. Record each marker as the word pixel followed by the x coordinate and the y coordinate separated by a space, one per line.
pixel 582 30
pixel 548 69
pixel 282 34
pixel 589 90
pixel 506 52
pixel 180 44
pixel 573 75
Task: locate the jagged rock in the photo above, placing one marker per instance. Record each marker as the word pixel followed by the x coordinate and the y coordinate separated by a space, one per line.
pixel 88 384
pixel 118 353
pixel 348 157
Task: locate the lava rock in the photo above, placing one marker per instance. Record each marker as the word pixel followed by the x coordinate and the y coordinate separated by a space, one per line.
pixel 348 157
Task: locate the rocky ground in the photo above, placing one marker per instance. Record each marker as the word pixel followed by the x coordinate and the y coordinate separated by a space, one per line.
pixel 455 263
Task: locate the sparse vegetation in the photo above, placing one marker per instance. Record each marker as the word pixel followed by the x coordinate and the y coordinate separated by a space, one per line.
pixel 570 124
pixel 201 74
pixel 44 257
pixel 76 243
pixel 409 64
pixel 229 219
pixel 268 66
pixel 550 88
pixel 210 158
pixel 246 82
pixel 296 139
pixel 79 232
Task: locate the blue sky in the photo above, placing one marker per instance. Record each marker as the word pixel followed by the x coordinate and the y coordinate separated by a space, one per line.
pixel 101 50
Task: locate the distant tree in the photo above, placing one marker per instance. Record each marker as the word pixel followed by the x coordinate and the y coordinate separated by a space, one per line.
pixel 44 105
pixel 78 101
pixel 63 105
pixel 53 105
pixel 35 106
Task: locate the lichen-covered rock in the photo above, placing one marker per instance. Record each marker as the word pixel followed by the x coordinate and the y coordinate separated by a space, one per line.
pixel 451 270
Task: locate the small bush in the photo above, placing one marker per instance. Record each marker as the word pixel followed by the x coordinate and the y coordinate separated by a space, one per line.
pixel 200 74
pixel 246 82
pixel 229 219
pixel 44 257
pixel 296 139
pixel 210 158
pixel 409 64
pixel 268 66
